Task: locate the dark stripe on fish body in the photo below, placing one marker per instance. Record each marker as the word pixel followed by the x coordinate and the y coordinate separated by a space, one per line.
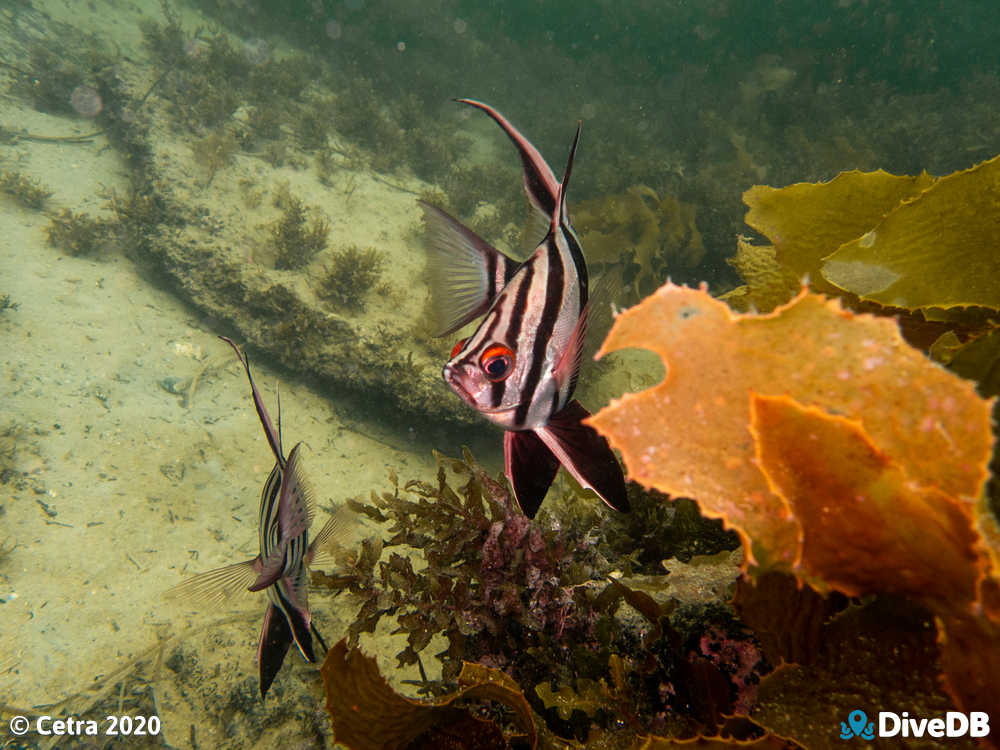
pixel 513 331
pixel 517 309
pixel 576 251
pixel 554 291
pixel 491 273
pixel 268 529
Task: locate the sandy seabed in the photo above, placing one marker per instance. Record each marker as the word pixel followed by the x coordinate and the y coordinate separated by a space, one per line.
pixel 120 487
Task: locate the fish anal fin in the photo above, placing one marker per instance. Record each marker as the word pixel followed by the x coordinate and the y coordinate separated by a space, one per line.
pixel 275 638
pixel 585 454
pixel 530 467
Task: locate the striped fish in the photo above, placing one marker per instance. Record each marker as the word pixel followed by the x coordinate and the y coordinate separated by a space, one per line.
pixel 520 367
pixel 281 569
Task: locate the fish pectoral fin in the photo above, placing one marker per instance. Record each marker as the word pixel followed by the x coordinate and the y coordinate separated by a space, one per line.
pixel 275 638
pixel 465 272
pixel 326 546
pixel 530 467
pixel 585 454
pixel 568 366
pixel 215 586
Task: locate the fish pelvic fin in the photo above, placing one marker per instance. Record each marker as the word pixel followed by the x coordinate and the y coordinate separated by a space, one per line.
pixel 530 467
pixel 585 454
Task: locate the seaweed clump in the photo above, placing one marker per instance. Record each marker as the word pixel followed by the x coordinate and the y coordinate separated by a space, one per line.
pixel 351 275
pixel 541 602
pixel 76 233
pixel 26 191
pixel 297 239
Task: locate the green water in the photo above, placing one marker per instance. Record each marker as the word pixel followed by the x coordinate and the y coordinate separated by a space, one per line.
pixel 130 455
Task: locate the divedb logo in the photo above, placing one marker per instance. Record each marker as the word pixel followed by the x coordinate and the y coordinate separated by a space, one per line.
pixel 890 724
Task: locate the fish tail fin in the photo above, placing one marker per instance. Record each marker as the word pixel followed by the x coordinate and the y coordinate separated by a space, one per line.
pixel 585 454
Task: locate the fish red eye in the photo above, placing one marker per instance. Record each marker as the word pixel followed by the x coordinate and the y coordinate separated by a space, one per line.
pixel 497 362
pixel 458 347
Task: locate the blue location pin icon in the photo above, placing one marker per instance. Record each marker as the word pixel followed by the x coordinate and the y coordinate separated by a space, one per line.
pixel 857 720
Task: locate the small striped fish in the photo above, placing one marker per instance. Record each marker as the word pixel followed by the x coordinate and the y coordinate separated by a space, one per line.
pixel 282 567
pixel 520 367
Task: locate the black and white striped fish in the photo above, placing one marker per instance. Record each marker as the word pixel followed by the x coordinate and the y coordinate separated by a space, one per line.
pixel 520 367
pixel 281 569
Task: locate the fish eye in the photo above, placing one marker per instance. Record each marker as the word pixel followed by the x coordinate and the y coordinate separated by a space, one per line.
pixel 497 363
pixel 458 348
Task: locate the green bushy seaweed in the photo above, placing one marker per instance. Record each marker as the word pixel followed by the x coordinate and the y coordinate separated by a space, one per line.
pixel 295 238
pixel 26 191
pixel 77 233
pixel 215 151
pixel 352 273
pixel 535 599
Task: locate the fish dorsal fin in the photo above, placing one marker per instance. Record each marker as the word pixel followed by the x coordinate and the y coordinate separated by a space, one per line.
pixel 539 181
pixel 296 506
pixel 465 272
pixel 273 435
pixel 561 216
pixel 215 586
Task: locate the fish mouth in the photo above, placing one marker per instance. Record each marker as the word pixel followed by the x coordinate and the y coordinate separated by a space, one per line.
pixel 453 381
